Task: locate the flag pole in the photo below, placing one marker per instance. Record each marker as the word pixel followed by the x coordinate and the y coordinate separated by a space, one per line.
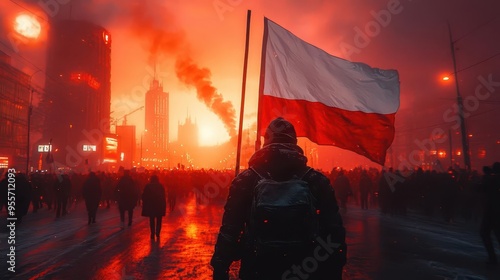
pixel 243 87
pixel 261 85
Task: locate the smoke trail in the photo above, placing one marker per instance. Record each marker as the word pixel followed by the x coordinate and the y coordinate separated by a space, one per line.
pixel 157 28
pixel 191 74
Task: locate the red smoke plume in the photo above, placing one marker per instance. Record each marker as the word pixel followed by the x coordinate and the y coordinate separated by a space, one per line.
pixel 191 74
pixel 156 26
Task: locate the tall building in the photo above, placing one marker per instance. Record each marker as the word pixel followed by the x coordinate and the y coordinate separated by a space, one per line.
pixel 156 136
pixel 14 106
pixel 126 145
pixel 78 93
pixel 187 134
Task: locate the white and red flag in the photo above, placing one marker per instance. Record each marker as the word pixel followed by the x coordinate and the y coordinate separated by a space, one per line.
pixel 329 100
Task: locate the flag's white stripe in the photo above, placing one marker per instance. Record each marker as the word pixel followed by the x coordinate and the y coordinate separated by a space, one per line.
pixel 298 70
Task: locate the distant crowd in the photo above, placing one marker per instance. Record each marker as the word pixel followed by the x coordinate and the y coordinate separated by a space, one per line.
pixel 455 194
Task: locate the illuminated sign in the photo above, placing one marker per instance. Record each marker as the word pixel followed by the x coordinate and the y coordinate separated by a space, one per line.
pixel 89 148
pixel 110 149
pixel 4 162
pixel 85 77
pixel 44 148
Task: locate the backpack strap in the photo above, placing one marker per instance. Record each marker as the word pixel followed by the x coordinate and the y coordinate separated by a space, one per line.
pixel 258 174
pixel 305 173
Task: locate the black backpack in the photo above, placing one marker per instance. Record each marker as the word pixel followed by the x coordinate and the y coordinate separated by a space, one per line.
pixel 283 218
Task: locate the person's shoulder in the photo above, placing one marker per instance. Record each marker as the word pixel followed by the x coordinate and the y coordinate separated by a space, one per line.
pixel 316 176
pixel 245 177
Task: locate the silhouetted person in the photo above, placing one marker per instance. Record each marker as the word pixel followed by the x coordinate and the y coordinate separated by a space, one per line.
pixel 262 238
pixel 107 189
pixel 48 190
pixel 386 191
pixel 399 196
pixel 343 190
pixel 154 205
pixel 36 183
pixel 62 190
pixel 91 192
pixel 491 216
pixel 365 187
pixel 127 196
pixel 172 197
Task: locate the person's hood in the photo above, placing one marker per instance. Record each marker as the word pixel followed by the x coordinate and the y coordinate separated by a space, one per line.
pixel 280 160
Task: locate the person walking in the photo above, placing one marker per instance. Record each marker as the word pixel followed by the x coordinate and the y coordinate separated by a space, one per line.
pixel 343 189
pixel 277 214
pixel 62 190
pixel 490 222
pixel 127 196
pixel 365 189
pixel 154 205
pixel 91 192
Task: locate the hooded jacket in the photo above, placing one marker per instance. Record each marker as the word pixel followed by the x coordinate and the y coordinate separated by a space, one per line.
pixel 279 161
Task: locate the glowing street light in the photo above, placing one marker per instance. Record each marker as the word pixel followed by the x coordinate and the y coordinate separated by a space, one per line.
pixel 27 26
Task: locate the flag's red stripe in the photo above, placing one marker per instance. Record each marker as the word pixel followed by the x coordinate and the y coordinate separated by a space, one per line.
pixel 368 134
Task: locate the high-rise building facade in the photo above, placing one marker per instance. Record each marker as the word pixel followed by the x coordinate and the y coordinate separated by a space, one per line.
pixel 156 134
pixel 14 106
pixel 78 93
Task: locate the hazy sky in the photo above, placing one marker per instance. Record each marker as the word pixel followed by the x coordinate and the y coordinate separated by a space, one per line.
pixel 410 36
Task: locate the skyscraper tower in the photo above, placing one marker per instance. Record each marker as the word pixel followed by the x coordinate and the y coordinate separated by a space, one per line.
pixel 78 92
pixel 157 128
pixel 14 105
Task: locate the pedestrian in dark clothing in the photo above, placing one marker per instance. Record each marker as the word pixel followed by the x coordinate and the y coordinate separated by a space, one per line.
pixel 342 188
pixel 154 205
pixel 365 187
pixel 36 183
pixel 91 192
pixel 491 215
pixel 62 190
pixel 48 190
pixel 276 163
pixel 127 195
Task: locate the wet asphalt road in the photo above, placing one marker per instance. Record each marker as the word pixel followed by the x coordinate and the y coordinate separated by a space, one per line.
pixel 380 247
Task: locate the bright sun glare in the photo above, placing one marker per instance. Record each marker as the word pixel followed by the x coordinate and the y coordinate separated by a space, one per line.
pixel 28 26
pixel 207 136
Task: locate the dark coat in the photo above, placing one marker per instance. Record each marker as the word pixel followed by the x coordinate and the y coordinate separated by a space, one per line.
pixel 154 203
pixel 365 185
pixel 342 187
pixel 127 193
pixel 62 187
pixel 91 192
pixel 280 162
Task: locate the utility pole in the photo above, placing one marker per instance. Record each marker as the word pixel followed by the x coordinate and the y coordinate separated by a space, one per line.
pixel 463 130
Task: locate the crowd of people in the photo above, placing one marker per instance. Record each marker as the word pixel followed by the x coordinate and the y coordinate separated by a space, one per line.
pixel 455 194
pixel 58 192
